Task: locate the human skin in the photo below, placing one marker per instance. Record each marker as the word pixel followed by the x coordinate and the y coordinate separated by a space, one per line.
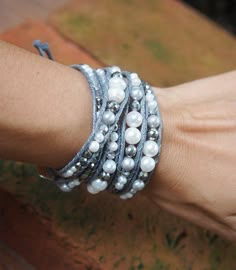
pixel 196 174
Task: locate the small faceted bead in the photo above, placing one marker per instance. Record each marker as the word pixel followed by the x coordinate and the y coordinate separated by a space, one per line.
pixel 136 105
pixel 130 150
pixel 99 185
pixel 113 106
pixel 153 134
pixel 149 97
pixel 150 148
pixel 119 186
pixel 122 179
pixel 99 137
pixel 136 93
pixel 128 164
pixel 91 189
pixel 84 161
pixel 105 176
pixel 108 117
pixel 147 164
pixel 132 135
pixel 68 173
pixel 88 154
pixel 138 185
pixel 113 146
pixel 109 166
pixel 114 136
pixel 134 119
pixel 153 121
pixel 115 94
pixel 143 175
pixel 94 146
pixel 117 82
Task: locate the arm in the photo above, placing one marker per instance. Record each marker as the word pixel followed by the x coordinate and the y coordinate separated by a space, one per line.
pixel 196 176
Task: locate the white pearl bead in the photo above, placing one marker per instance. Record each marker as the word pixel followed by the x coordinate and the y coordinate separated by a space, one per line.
pixel 71 184
pixel 134 119
pixel 116 94
pixel 114 136
pixel 99 185
pixel 152 105
pixel 119 186
pixel 138 185
pixel 153 121
pixel 122 179
pixel 76 182
pixel 64 187
pixel 99 137
pixel 132 135
pixel 136 93
pixel 108 117
pixel 94 146
pixel 68 173
pixel 73 169
pixel 147 164
pixel 135 79
pixel 123 197
pixel 91 189
pixel 150 148
pixel 117 82
pixel 128 164
pixel 109 166
pixel 115 69
pixel 113 146
pixel 149 97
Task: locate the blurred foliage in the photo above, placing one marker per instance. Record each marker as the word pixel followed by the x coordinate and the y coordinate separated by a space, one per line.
pixel 222 11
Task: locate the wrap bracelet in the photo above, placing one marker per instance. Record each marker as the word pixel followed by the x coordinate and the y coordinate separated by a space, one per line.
pixel 124 146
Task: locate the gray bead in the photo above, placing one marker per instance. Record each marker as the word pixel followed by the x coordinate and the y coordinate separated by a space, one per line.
pixel 143 175
pixel 78 166
pixel 105 176
pixel 88 154
pixel 113 106
pixel 92 165
pixel 136 105
pixel 108 118
pixel 83 161
pixel 153 134
pixel 130 150
pixel 116 127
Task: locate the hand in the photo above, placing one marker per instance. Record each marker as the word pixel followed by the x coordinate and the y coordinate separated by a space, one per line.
pixel 196 175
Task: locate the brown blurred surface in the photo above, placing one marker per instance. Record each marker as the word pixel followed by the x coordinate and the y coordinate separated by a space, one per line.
pixel 13 12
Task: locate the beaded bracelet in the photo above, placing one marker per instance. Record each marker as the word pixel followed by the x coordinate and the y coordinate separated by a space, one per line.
pixel 124 146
